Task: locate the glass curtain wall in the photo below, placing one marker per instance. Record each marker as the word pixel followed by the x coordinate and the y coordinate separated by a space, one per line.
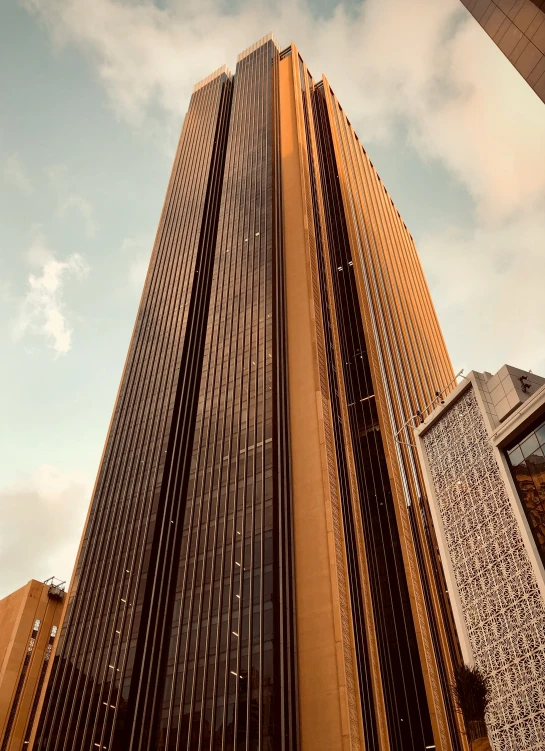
pixel 403 685
pixel 527 462
pixel 229 677
pixel 178 633
pixel 95 678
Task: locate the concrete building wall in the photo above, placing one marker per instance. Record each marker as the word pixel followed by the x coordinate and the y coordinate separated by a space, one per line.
pixel 29 619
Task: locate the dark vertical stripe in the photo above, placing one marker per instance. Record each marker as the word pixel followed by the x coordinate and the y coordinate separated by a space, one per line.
pixel 412 385
pixel 404 693
pixel 228 665
pixel 150 653
pixel 361 646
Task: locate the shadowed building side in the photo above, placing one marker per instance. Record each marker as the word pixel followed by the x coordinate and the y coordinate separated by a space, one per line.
pixel 231 656
pixel 134 524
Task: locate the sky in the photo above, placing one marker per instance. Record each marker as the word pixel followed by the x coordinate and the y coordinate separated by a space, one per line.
pixel 93 98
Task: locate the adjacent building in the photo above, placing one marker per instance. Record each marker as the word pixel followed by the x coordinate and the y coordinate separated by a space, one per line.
pixel 258 569
pixel 483 453
pixel 29 619
pixel 518 28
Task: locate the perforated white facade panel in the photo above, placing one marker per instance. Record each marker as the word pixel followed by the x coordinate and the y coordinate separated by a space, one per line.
pixel 502 604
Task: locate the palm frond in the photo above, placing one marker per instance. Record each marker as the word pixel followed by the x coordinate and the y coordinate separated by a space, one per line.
pixel 472 694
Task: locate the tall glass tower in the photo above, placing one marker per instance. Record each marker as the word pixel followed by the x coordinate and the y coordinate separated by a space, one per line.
pixel 258 569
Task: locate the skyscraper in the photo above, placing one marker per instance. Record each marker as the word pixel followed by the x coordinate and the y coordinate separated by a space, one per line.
pixel 518 28
pixel 29 619
pixel 258 569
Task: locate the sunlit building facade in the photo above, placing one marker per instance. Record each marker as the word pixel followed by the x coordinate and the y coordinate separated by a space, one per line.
pixel 29 620
pixel 258 569
pixel 518 29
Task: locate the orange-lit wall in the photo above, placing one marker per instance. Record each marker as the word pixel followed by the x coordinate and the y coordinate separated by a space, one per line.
pixel 19 676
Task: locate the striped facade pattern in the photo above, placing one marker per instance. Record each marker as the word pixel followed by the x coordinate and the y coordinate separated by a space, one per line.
pixel 386 358
pixel 518 28
pixel 181 656
pixel 408 363
pixel 29 621
pixel 108 614
pixel 231 600
pixel 181 630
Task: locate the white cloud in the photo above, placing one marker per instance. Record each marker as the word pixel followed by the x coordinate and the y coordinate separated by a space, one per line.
pixel 15 174
pixel 42 518
pixel 488 291
pixel 57 174
pixel 43 310
pixel 138 251
pixel 488 135
pixel 82 207
pixel 460 100
pixel 424 65
pixel 425 68
pixel 5 289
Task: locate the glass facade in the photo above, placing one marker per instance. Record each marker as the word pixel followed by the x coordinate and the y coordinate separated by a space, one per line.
pixel 381 342
pixel 337 226
pixel 227 678
pixel 180 631
pixel 403 685
pixel 349 374
pixel 518 28
pixel 527 461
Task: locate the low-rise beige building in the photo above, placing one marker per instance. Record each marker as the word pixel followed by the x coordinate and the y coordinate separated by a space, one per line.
pixel 29 619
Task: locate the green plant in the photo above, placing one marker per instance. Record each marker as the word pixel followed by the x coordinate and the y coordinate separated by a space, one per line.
pixel 471 693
